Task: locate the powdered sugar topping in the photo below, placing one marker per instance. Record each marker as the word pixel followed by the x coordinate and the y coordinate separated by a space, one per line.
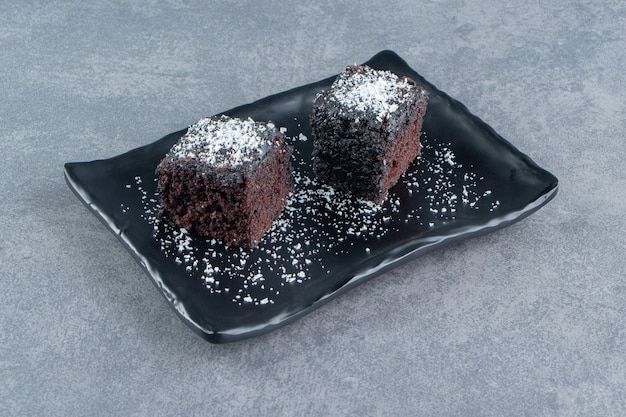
pixel 225 142
pixel 369 90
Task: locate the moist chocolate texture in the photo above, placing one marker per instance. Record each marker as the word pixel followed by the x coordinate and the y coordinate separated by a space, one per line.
pixel 366 130
pixel 226 179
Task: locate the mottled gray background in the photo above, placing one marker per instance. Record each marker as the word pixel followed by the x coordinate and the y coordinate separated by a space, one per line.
pixel 527 321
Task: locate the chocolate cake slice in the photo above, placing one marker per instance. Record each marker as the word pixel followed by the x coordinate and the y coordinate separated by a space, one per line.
pixel 227 179
pixel 366 130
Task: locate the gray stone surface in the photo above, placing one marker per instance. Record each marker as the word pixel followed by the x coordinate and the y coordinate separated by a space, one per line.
pixel 527 321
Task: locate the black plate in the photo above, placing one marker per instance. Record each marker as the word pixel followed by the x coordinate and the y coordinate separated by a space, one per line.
pixel 469 181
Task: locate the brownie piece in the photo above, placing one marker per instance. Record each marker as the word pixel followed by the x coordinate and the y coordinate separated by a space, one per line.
pixel 366 130
pixel 227 179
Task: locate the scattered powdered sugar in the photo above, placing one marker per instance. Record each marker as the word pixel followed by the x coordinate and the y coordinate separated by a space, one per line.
pixel 224 141
pixel 320 223
pixel 370 90
pixel 445 185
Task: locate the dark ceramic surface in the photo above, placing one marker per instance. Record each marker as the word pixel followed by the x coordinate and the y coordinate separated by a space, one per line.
pixel 488 185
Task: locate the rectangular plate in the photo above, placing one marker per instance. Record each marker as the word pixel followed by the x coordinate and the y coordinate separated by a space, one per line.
pixel 469 181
